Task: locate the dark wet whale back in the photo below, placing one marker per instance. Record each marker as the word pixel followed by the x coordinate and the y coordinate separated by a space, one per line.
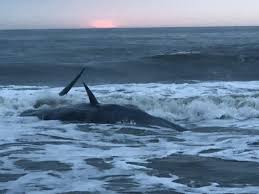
pixel 98 113
pixel 103 114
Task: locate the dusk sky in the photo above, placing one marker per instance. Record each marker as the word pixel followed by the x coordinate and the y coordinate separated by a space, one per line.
pixel 23 14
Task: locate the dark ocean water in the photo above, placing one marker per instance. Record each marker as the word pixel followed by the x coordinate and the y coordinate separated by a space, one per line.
pixel 130 55
pixel 204 79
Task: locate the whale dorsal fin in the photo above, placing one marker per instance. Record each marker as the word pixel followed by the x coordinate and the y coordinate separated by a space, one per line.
pixel 71 84
pixel 92 98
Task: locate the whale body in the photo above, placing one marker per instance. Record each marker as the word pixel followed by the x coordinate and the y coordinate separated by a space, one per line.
pixel 94 112
pixel 101 114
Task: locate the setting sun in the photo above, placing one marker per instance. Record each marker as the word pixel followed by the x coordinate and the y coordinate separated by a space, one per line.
pixel 103 24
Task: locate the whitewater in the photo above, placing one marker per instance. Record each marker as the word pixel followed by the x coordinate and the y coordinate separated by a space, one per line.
pixel 55 157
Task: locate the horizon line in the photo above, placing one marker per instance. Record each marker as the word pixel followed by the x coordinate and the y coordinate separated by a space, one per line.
pixel 130 27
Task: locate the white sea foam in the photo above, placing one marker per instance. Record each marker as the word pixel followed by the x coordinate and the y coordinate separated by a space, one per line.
pixel 152 182
pixel 236 101
pixel 221 104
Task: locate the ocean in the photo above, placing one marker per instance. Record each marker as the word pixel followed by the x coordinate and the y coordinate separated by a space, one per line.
pixel 204 79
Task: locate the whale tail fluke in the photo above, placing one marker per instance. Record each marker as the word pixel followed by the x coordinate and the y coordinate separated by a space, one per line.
pixel 92 98
pixel 71 84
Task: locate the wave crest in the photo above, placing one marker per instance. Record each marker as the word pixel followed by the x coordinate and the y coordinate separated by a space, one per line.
pixel 175 102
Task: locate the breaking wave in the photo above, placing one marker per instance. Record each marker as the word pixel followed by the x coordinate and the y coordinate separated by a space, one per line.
pixel 203 58
pixel 174 102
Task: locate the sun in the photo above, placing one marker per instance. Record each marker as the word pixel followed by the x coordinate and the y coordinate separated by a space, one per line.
pixel 103 24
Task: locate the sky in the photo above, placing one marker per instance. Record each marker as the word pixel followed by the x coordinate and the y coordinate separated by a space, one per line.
pixel 40 14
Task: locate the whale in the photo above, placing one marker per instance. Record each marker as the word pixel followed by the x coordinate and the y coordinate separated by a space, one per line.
pixel 95 112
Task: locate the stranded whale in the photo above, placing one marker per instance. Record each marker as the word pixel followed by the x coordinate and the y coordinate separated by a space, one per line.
pixel 94 112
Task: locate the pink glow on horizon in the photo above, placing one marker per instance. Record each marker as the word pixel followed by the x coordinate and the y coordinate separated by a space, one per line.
pixel 103 24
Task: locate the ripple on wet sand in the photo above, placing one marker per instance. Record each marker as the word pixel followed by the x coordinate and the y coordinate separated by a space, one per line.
pixel 99 163
pixel 43 165
pixel 9 177
pixel 197 171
